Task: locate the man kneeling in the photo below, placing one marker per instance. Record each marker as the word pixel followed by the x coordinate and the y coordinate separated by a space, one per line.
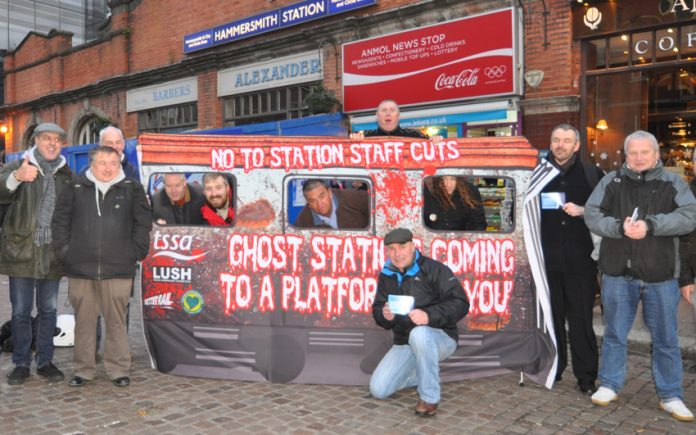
pixel 421 300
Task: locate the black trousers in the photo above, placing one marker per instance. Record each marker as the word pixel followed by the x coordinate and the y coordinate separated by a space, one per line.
pixel 572 298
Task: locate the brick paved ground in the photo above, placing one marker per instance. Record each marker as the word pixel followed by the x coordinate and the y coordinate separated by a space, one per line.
pixel 162 404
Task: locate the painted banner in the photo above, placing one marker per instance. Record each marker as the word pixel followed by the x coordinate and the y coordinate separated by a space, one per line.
pixel 456 60
pixel 265 300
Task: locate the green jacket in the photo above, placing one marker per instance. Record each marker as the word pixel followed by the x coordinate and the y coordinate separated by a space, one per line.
pixel 19 256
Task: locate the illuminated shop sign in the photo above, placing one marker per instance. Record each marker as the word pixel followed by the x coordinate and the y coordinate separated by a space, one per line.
pixel 601 17
pixel 276 19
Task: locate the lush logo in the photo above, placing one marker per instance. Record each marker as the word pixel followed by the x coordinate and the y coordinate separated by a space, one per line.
pixel 192 301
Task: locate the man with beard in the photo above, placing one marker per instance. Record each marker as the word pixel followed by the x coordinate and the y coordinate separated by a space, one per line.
pixel 567 245
pixel 218 210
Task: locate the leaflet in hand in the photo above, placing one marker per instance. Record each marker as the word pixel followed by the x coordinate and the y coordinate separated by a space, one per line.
pixel 634 216
pixel 401 304
pixel 552 200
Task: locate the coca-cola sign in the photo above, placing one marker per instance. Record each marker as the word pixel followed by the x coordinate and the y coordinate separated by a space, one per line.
pixel 457 60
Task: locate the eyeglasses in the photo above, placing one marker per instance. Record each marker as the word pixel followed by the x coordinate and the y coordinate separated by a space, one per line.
pixel 111 143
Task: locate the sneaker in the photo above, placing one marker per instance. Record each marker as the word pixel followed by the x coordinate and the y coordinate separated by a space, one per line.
pixel 604 396
pixel 18 375
pixel 50 372
pixel 677 409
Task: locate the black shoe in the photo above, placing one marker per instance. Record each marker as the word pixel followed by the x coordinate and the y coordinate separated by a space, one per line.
pixel 50 372
pixel 18 375
pixel 559 378
pixel 77 381
pixel 123 381
pixel 589 389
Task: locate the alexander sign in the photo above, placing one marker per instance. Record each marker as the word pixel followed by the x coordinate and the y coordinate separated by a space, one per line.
pixel 276 19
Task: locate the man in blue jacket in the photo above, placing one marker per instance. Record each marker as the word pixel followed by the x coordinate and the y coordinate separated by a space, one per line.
pixel 640 210
pixel 421 301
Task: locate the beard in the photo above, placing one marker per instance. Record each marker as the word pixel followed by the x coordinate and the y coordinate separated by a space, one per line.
pixel 216 202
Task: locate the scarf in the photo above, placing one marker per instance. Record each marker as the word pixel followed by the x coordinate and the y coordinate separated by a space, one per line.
pixel 43 235
pixel 102 186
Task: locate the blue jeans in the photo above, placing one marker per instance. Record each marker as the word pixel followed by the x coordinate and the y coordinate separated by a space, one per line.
pixel 22 298
pixel 414 364
pixel 620 296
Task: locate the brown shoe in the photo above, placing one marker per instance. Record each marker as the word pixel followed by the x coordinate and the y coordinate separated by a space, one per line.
pixel 425 409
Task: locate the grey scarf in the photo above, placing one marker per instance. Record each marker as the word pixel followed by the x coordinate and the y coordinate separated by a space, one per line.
pixel 43 235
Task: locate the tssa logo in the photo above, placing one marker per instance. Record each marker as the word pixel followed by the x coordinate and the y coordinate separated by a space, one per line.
pixel 164 300
pixel 167 245
pixel 173 242
pixel 171 274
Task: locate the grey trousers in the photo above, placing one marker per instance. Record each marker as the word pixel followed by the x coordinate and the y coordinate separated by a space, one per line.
pixel 109 297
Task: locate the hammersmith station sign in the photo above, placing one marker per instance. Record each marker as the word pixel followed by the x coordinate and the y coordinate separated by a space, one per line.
pixel 276 19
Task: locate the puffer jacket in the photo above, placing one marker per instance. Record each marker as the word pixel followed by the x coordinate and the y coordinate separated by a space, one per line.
pixel 104 242
pixel 687 252
pixel 19 255
pixel 435 289
pixel 664 202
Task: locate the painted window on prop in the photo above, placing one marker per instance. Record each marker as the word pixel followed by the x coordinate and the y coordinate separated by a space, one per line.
pixel 329 203
pixel 460 202
pixel 196 198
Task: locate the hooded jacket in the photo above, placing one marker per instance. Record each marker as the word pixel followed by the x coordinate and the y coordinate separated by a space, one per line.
pixel 102 240
pixel 664 202
pixel 19 255
pixel 435 289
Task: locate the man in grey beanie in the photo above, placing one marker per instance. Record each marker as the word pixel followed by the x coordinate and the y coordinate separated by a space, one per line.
pixel 31 187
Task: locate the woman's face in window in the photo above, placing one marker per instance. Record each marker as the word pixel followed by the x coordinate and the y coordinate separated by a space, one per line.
pixel 449 183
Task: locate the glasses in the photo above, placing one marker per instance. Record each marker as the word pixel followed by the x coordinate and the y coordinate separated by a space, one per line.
pixel 111 143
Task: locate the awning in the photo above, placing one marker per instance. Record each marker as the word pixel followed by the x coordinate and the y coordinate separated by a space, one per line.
pixel 442 115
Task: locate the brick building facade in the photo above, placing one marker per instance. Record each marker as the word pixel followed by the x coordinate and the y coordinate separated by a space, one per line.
pixel 80 88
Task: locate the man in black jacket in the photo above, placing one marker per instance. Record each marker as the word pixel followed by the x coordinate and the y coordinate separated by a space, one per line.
pixel 571 272
pixel 102 229
pixel 421 301
pixel 179 203
pixel 388 115
pixel 640 210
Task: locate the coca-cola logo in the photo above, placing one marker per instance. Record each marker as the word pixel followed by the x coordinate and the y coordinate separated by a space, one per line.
pixel 467 77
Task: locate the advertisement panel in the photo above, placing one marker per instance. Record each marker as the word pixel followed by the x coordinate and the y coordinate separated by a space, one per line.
pixel 267 300
pixel 457 60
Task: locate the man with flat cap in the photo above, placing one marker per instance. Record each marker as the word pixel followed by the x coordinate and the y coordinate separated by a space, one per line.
pixel 31 187
pixel 421 301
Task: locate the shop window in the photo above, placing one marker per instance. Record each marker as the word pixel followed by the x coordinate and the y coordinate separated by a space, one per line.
pixel 618 50
pixel 687 46
pixel 172 119
pixel 213 188
pixel 464 203
pixel 266 106
pixel 336 203
pixel 666 44
pixel 596 54
pixel 642 52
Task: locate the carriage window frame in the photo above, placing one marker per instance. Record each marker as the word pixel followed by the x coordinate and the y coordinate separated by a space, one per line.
pixel 498 197
pixel 231 179
pixel 292 209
